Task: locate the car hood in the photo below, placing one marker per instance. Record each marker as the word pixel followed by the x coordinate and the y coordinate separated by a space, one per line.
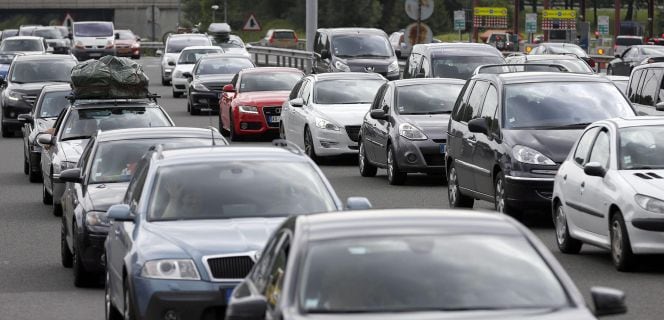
pixel 361 64
pixel 72 149
pixel 105 195
pixel 554 144
pixel 529 314
pixel 214 78
pixel 639 180
pixel 433 125
pixel 344 114
pixel 262 97
pixel 184 67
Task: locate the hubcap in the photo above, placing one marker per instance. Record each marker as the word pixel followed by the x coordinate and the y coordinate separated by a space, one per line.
pixel 390 165
pixel 452 186
pixel 308 144
pixel 616 240
pixel 361 156
pixel 561 225
pixel 500 200
pixel 107 297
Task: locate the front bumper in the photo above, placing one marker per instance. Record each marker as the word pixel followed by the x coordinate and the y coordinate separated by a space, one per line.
pixel 646 231
pixel 334 143
pixel 205 100
pixel 529 192
pixel 92 248
pixel 179 84
pixel 420 155
pixel 85 54
pixel 257 123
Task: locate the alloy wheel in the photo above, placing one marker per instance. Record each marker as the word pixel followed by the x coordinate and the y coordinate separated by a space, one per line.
pixel 500 196
pixel 560 224
pixel 616 241
pixel 452 187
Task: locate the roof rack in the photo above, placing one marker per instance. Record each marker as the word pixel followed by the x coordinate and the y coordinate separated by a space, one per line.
pixel 151 96
pixel 509 68
pixel 283 143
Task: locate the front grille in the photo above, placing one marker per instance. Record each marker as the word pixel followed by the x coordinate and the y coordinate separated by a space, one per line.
pixel 230 267
pixel 29 99
pixel 88 47
pixel 434 159
pixel 439 140
pixel 545 194
pixel 271 111
pixel 215 86
pixel 353 132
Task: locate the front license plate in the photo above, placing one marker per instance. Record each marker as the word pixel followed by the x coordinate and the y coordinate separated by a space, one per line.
pixel 442 148
pixel 95 55
pixel 274 119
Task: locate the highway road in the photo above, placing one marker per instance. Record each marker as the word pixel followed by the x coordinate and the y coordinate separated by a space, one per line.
pixel 33 284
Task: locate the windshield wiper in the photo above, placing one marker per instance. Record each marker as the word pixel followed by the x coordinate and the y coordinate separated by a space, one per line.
pixel 75 138
pixel 571 126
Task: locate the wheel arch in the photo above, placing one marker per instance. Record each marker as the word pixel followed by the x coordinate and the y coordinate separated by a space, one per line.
pixel 613 210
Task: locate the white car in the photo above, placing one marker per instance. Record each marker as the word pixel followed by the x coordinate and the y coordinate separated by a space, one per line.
pixel 326 111
pixel 188 58
pixel 609 192
pixel 175 43
pixel 234 45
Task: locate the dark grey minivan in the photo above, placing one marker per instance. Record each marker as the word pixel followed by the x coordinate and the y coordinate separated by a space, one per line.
pixel 354 49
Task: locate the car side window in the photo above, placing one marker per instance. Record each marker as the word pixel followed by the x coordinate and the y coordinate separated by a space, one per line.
pixel 411 67
pixel 306 92
pixel 472 109
pixel 650 86
pixel 462 101
pixel 387 99
pixel 425 67
pixel 234 81
pixel 601 151
pixel 275 281
pixel 660 95
pixel 634 86
pixel 259 274
pixel 295 90
pixel 85 155
pixel 135 189
pixel 489 109
pixel 581 152
pixel 378 99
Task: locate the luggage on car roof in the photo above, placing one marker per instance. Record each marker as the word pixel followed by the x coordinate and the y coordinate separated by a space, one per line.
pixel 109 78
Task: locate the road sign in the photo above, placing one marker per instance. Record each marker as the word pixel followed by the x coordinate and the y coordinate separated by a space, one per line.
pixel 531 22
pixel 412 8
pixel 411 34
pixel 603 24
pixel 559 14
pixel 251 24
pixel 490 12
pixel 459 20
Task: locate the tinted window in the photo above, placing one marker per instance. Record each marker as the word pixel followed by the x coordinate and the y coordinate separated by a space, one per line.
pixel 460 67
pixel 6 58
pixel 136 186
pixel 378 99
pixel 427 273
pixel 652 51
pixel 581 152
pixel 42 71
pixel 12 45
pixel 306 92
pixel 346 91
pixel 472 109
pixel 191 56
pixel 223 66
pixel 295 90
pixel 176 45
pixel 86 122
pixel 276 275
pixel 284 35
pixel 600 152
pixel 237 189
pixel 273 81
pixel 574 66
pixel 567 48
pixel 641 148
pixel 556 104
pixel 462 101
pixel 489 109
pixel 361 45
pixel 427 98
pixel 231 43
pixel 651 86
pixel 628 41
pixel 52 103
pixel 634 85
pixel 100 29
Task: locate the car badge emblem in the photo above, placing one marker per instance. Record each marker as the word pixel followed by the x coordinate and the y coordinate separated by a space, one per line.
pixel 369 69
pixel 277 110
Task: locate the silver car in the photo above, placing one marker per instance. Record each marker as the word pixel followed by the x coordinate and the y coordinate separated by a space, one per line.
pixel 174 45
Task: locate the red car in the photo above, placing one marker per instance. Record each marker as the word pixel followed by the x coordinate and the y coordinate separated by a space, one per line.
pixel 251 104
pixel 127 44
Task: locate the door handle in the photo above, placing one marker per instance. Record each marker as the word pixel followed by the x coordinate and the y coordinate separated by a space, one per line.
pixel 565 177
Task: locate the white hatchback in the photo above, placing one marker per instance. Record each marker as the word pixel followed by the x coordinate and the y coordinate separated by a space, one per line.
pixel 609 192
pixel 185 63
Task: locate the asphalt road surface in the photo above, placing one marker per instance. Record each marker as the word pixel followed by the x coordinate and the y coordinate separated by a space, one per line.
pixel 33 284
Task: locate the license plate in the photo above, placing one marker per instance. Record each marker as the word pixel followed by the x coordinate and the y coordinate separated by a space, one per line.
pixel 442 148
pixel 95 54
pixel 274 119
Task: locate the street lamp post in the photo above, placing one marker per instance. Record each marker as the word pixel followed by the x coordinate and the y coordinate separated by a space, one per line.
pixel 214 10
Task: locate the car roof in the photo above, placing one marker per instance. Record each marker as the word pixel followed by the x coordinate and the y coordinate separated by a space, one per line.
pixel 158 132
pixel 337 31
pixel 559 44
pixel 409 82
pixel 110 103
pixel 21 57
pixel 649 65
pixel 25 38
pixel 627 36
pixel 535 77
pixel 532 57
pixel 270 69
pixel 346 75
pixel 56 87
pixel 283 30
pixel 229 153
pixel 619 78
pixel 202 47
pixel 636 121
pixel 187 35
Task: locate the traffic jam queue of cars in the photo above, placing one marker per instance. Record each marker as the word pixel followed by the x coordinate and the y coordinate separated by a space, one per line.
pixel 179 223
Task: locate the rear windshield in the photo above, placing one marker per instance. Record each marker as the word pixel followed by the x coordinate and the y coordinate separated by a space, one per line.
pixel 100 29
pixel 568 48
pixel 432 98
pixel 28 71
pixel 48 33
pixel 191 56
pixel 223 66
pixel 285 35
pixel 652 51
pixel 460 67
pixel 346 91
pixel 52 103
pixel 14 45
pixel 276 81
pixel 83 123
pixel 629 41
pixel 176 45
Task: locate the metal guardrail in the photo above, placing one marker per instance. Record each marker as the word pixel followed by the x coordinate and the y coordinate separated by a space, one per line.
pixel 267 56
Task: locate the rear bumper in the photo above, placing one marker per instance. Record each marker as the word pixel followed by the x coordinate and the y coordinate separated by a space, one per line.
pixel 419 156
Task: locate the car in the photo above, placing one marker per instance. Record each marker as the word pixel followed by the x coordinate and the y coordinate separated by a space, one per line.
pixel 280 38
pixel 24 45
pixel 185 63
pixel 62 146
pixel 127 44
pixel 324 112
pixel 174 45
pixel 608 192
pixel 509 133
pixel 634 56
pixel 208 77
pixel 251 104
pixel 27 29
pixel 644 89
pixel 624 42
pixel 449 60
pixel 503 41
pixel 411 264
pixel 233 44
pixel 92 39
pixel 405 129
pixel 8 33
pixel 26 77
pixel 570 62
pixel 50 102
pixel 100 180
pixel 563 48
pixel 193 219
pixel 621 82
pixel 54 38
pixel 354 50
pixel 399 45
pixel 5 61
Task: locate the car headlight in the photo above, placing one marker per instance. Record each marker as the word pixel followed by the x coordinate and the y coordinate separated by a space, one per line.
pixel 200 87
pixel 649 203
pixel 13 95
pixel 393 67
pixel 97 219
pixel 325 124
pixel 529 155
pixel 248 109
pixel 64 165
pixel 411 132
pixel 341 66
pixel 180 269
pixel 177 74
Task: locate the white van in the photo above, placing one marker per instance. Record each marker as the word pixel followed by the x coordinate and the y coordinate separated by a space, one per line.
pixel 92 39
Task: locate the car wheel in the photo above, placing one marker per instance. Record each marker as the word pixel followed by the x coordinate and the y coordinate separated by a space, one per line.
pixel 164 82
pixel 366 168
pixel 82 277
pixel 193 111
pixel 566 243
pixel 454 196
pixel 231 129
pixel 66 256
pixel 621 248
pixel 394 175
pixel 309 145
pixel 188 105
pixel 500 203
pixel 111 311
pixel 47 198
pixel 128 310
pixel 6 133
pixel 177 94
pixel 34 176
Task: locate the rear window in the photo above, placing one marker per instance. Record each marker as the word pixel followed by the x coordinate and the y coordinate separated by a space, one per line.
pixel 223 66
pixel 629 41
pixel 48 33
pixel 427 99
pixel 284 35
pixel 125 35
pixel 99 29
pixel 191 56
pixel 15 45
pixel 460 67
pixel 275 81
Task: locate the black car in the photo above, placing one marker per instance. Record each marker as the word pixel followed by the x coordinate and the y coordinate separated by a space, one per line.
pixel 100 180
pixel 563 48
pixel 54 38
pixel 356 50
pixel 26 78
pixel 404 130
pixel 411 264
pixel 509 133
pixel 634 56
pixel 52 100
pixel 209 76
pixel 449 60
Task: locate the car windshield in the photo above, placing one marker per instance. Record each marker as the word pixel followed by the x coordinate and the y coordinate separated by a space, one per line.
pixel 28 71
pixel 361 45
pixel 125 35
pixel 98 29
pixel 83 123
pixel 568 48
pixel 115 161
pixel 272 81
pixel 460 67
pixel 237 189
pixel 427 273
pixel 51 103
pixel 628 41
pixel 431 98
pixel 641 148
pixel 223 66
pixel 176 45
pixel 346 91
pixel 554 105
pixel 191 56
pixel 573 65
pixel 14 45
pixel 652 51
pixel 48 33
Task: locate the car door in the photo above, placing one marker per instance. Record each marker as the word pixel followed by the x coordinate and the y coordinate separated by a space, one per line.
pixel 484 156
pixel 649 91
pixel 384 126
pixel 465 166
pixel 593 189
pixel 298 115
pixel 73 194
pixel 369 133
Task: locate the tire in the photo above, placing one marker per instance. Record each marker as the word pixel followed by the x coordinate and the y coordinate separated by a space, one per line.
pixel 499 202
pixel 223 131
pixel 128 310
pixel 394 176
pixel 366 168
pixel 82 277
pixel 177 94
pixel 188 105
pixel 454 196
pixel 6 133
pixel 111 312
pixel 193 111
pixel 66 257
pixel 231 129
pixel 621 248
pixel 47 198
pixel 34 176
pixel 309 148
pixel 164 82
pixel 566 244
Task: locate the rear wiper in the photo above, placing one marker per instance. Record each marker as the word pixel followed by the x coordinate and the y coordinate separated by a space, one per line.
pixel 75 138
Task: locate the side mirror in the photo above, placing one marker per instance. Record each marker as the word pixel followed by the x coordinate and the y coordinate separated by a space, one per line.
pixel 188 75
pixel 378 114
pixel 247 308
pixel 297 102
pixel 608 301
pixel 324 54
pixel 659 106
pixel 45 139
pixel 71 175
pixel 358 203
pixel 228 88
pixel 159 53
pixel 171 63
pixel 117 36
pixel 594 169
pixel 478 125
pixel 24 118
pixel 119 212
